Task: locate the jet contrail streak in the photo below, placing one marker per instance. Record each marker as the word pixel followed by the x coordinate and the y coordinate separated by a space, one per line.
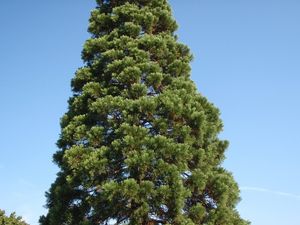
pixel 258 189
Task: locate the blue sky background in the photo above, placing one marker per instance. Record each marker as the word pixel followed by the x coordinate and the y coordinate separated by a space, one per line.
pixel 247 62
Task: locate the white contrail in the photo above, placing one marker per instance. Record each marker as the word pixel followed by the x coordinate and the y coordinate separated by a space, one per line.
pixel 258 189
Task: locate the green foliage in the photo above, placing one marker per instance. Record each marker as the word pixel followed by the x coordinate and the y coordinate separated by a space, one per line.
pixel 139 144
pixel 10 220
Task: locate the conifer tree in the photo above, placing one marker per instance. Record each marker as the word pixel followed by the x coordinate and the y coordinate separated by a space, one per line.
pixel 10 220
pixel 139 145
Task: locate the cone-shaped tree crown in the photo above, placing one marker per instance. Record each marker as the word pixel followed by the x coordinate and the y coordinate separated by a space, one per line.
pixel 139 144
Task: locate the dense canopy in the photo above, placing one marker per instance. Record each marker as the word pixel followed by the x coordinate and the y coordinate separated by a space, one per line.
pixel 139 144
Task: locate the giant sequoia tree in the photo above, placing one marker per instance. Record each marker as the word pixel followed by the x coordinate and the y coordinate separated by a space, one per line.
pixel 139 144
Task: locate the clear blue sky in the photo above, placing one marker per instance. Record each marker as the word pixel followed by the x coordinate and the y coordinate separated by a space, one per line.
pixel 247 61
